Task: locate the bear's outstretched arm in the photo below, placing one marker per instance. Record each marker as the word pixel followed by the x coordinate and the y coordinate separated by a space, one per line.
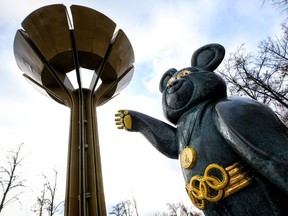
pixel 161 135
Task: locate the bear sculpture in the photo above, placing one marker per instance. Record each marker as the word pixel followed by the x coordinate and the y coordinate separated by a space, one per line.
pixel 233 151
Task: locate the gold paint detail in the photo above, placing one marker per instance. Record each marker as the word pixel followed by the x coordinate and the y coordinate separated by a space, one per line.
pixel 218 183
pixel 128 121
pixel 180 75
pixel 183 73
pixel 208 187
pixel 240 176
pixel 188 158
pixel 170 81
pixel 123 120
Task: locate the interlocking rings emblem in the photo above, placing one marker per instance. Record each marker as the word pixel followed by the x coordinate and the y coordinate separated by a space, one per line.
pixel 208 187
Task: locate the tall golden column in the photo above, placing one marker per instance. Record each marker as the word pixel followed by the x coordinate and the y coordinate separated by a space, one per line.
pixel 50 49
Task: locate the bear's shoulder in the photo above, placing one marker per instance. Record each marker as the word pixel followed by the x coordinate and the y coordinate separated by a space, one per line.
pixel 243 109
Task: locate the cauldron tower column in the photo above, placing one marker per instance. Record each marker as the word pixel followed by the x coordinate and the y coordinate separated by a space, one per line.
pixel 51 49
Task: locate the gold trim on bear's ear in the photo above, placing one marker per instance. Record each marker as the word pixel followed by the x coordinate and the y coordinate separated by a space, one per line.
pixel 208 57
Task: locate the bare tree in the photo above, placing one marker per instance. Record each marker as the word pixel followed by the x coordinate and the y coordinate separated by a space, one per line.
pixel 46 201
pixel 172 209
pixel 117 210
pixel 184 211
pixel 129 208
pixel 125 208
pixel 10 179
pixel 39 207
pixel 161 214
pixel 134 204
pixel 262 76
pixel 179 209
pixel 281 5
pixel 52 207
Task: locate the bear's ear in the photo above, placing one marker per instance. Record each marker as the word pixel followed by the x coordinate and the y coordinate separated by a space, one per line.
pixel 165 78
pixel 209 56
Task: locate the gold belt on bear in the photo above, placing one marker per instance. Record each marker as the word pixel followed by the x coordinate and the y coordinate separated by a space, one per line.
pixel 218 183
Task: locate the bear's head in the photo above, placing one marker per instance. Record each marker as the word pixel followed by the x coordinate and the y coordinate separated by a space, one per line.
pixel 184 89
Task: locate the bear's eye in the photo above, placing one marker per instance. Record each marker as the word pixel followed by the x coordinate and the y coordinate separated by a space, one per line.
pixel 183 73
pixel 170 81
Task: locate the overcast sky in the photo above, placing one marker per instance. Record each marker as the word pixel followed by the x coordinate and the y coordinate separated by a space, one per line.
pixel 164 34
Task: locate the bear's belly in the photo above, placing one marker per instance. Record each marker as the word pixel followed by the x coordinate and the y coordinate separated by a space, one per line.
pixel 213 155
pixel 209 149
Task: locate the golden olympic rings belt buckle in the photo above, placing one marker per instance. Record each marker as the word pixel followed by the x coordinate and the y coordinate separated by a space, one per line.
pixel 217 183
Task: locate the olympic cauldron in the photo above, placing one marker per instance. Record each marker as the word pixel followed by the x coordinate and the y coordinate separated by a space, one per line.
pixel 52 46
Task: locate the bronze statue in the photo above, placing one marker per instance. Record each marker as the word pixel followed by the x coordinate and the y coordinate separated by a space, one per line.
pixel 233 151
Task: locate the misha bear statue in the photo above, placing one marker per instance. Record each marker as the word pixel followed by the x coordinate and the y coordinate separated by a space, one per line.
pixel 233 151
